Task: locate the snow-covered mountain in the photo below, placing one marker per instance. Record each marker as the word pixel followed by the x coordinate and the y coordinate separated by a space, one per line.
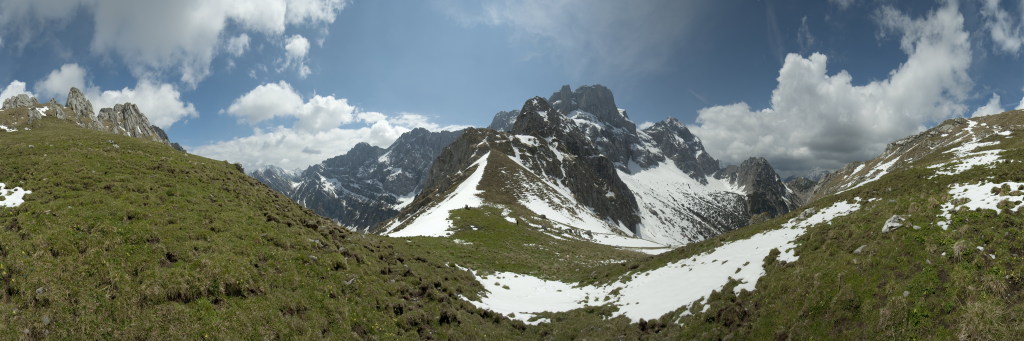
pixel 366 185
pixel 580 166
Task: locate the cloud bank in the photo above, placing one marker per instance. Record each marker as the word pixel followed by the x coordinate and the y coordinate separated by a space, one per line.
pixel 817 119
pixel 321 127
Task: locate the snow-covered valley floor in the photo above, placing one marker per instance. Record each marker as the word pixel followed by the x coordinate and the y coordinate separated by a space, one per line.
pixel 651 294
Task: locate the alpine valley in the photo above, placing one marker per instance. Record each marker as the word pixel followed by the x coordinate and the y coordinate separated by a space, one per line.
pixel 562 220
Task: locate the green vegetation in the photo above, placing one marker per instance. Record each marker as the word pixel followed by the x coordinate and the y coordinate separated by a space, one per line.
pixel 128 239
pixel 123 238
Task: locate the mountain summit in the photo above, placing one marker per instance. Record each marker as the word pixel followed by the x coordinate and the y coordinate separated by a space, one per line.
pixel 579 161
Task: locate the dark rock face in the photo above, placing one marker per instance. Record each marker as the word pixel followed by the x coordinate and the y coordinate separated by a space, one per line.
pixel 609 129
pixel 504 120
pixel 802 187
pixel 362 187
pixel 766 193
pixel 591 175
pixel 678 144
pixel 19 101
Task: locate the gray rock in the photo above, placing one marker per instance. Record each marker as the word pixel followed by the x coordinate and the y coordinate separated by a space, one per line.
pixel 504 120
pixel 78 103
pixel 859 249
pixel 126 119
pixel 20 101
pixel 894 222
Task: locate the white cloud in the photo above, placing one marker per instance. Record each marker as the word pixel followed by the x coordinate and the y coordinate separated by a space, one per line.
pixel 1005 31
pixel 160 102
pixel 156 37
pixel 821 120
pixel 991 108
pixel 325 126
pixel 624 37
pixel 1021 105
pixel 236 46
pixel 280 100
pixel 265 102
pixel 13 89
pixel 296 48
pixel 59 81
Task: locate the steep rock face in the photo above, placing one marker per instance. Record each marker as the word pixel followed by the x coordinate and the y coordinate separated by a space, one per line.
pixel 591 176
pixel 678 144
pixel 607 127
pixel 127 119
pixel 20 101
pixel 366 185
pixel 765 191
pixel 504 120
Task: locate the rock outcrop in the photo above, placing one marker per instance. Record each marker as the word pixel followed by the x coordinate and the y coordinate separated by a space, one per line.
pixel 20 101
pixel 124 119
pixel 504 120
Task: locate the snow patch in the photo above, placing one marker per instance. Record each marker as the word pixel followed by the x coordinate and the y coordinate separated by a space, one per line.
pixel 434 222
pixel 9 130
pixel 980 196
pixel 12 197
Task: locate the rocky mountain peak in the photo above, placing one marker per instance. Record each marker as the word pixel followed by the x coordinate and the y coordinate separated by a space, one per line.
pixel 78 103
pixel 504 120
pixel 19 101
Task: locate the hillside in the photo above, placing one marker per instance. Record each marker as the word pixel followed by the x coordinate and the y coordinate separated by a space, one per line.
pixel 929 250
pixel 124 238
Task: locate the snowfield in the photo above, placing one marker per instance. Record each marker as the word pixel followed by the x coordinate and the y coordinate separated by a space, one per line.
pixel 980 196
pixel 671 202
pixel 12 197
pixel 651 294
pixel 434 222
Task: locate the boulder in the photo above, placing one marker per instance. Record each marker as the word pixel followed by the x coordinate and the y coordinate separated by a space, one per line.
pixel 894 222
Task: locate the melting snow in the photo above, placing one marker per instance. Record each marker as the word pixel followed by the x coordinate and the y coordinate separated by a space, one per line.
pixel 9 130
pixel 668 197
pixel 12 197
pixel 979 196
pixel 651 294
pixel 434 222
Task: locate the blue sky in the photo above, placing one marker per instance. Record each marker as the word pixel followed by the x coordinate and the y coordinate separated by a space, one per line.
pixel 292 82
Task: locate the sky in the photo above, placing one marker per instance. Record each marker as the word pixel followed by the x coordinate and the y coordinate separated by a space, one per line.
pixel 806 84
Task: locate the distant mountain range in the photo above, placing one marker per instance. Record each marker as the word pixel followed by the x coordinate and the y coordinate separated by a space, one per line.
pixel 575 153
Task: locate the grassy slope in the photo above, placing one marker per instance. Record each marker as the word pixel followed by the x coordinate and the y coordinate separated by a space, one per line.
pixel 123 238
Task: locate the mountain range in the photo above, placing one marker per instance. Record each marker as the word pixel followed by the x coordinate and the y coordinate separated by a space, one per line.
pixel 587 159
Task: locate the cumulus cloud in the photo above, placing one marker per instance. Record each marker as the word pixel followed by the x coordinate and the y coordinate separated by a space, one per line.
pixel 1021 105
pixel 13 89
pixel 237 45
pixel 1006 31
pixel 280 100
pixel 820 120
pixel 160 102
pixel 181 37
pixel 296 47
pixel 991 108
pixel 59 81
pixel 607 36
pixel 324 126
